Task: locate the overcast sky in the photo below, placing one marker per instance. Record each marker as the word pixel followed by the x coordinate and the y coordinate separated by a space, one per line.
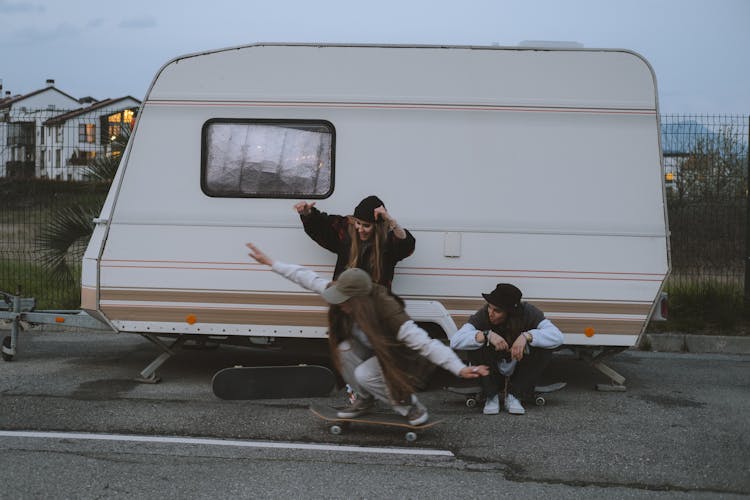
pixel 698 48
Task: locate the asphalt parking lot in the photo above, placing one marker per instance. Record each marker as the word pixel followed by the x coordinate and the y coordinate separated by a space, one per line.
pixel 680 427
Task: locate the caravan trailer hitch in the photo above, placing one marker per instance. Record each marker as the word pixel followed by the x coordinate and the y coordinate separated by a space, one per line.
pixel 20 312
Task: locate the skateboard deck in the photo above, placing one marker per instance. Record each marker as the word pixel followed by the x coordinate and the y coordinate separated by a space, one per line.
pixel 473 393
pixel 273 382
pixel 338 424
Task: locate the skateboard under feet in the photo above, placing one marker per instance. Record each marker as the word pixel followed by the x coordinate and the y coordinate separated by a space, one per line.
pixel 473 394
pixel 337 425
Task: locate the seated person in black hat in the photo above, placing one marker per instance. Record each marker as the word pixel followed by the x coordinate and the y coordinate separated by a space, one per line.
pixel 370 239
pixel 515 340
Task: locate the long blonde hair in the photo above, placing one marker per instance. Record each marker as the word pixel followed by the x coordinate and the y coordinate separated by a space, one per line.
pixel 399 381
pixel 379 236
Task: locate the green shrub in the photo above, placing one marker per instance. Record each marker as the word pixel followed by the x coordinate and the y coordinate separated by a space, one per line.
pixel 705 307
pixel 36 282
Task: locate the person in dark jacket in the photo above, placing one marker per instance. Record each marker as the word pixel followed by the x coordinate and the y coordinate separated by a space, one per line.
pixel 370 239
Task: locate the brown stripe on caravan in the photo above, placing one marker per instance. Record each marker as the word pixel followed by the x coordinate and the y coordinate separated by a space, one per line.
pixel 600 326
pixel 396 105
pixel 88 298
pixel 308 299
pixel 221 315
pixel 212 297
pixel 548 305
pixel 577 325
pixel 171 306
pixel 635 308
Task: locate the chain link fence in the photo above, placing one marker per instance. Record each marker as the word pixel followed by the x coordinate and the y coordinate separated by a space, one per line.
pixel 45 182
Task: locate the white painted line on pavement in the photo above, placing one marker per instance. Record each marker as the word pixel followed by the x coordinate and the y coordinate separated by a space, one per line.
pixel 226 442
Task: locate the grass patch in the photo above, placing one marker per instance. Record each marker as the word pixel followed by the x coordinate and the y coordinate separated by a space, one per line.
pixel 706 307
pixel 35 282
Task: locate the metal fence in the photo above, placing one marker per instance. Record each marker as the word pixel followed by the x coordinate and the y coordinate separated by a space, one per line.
pixel 705 161
pixel 706 168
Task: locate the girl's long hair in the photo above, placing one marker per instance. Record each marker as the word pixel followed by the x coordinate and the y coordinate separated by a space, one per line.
pixel 379 236
pixel 363 313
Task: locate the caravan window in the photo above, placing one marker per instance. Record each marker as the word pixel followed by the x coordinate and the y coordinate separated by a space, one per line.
pixel 269 159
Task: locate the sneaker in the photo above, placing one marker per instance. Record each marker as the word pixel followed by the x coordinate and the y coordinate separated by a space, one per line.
pixel 492 405
pixel 417 414
pixel 356 407
pixel 513 405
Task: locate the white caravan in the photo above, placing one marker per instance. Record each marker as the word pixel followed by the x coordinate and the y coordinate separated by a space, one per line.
pixel 535 166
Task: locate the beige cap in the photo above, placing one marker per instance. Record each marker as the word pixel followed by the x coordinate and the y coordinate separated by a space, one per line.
pixel 351 283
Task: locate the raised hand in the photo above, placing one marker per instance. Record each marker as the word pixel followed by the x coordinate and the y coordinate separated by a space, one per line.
pixel 303 207
pixel 257 254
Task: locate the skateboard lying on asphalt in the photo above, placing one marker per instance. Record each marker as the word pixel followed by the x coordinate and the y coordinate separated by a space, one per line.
pixel 473 393
pixel 337 424
pixel 272 382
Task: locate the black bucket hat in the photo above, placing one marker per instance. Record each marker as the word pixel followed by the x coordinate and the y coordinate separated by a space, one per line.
pixel 505 296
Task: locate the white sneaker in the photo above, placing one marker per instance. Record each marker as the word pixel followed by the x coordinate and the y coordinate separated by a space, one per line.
pixel 492 405
pixel 513 405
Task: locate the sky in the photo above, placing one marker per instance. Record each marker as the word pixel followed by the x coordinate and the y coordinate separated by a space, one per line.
pixel 699 49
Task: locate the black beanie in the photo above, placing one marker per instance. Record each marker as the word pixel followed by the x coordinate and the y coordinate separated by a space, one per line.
pixel 366 209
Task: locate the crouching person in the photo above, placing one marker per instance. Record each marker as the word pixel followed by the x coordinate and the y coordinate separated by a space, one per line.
pixel 515 340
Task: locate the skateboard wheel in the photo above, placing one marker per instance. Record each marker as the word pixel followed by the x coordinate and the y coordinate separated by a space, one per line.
pixel 336 430
pixel 471 402
pixel 411 436
pixel 540 401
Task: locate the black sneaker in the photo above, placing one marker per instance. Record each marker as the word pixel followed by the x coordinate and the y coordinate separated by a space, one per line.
pixel 417 414
pixel 358 406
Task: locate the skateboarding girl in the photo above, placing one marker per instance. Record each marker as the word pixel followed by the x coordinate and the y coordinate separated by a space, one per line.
pixel 373 341
pixel 370 238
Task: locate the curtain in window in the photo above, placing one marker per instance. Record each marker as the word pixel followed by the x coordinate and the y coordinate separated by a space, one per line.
pixel 270 160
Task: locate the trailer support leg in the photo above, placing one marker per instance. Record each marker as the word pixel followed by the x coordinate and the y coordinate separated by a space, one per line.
pixel 148 375
pixel 595 360
pixel 618 381
pixel 10 343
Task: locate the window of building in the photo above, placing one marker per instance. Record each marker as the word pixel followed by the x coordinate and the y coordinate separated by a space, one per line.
pixel 86 132
pixel 21 133
pixel 267 158
pixel 112 125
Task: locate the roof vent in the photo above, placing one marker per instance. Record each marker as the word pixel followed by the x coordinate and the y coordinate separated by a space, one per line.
pixel 50 82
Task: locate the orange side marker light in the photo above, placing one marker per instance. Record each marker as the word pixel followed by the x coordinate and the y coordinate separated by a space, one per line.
pixel 589 332
pixel 59 319
pixel 191 319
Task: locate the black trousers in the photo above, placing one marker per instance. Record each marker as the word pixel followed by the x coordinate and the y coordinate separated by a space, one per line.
pixel 527 374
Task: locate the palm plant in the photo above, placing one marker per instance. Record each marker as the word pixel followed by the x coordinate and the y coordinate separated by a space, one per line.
pixel 65 237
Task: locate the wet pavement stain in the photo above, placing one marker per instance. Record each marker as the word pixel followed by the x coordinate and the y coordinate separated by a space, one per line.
pixel 672 402
pixel 104 389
